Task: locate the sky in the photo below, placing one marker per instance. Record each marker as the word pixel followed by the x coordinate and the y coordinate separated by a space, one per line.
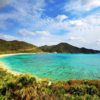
pixel 50 22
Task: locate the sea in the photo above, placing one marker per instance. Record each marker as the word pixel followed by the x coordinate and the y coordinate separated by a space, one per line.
pixel 56 67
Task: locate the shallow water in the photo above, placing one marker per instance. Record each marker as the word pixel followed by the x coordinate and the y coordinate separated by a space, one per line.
pixel 56 66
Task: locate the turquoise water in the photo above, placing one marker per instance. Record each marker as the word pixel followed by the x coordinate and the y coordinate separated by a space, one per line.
pixel 56 66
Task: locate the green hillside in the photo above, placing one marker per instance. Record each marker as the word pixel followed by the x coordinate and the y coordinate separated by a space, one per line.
pixel 17 47
pixel 66 48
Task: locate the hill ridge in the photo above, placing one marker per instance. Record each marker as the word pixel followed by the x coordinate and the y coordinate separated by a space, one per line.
pixel 16 46
pixel 67 48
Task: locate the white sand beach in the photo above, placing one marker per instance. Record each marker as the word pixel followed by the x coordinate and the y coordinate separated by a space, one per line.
pixel 3 55
pixel 2 65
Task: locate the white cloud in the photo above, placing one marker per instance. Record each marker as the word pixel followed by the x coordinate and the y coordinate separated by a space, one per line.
pixel 28 6
pixel 42 33
pixel 27 39
pixel 85 34
pixel 90 32
pixel 7 37
pixel 81 5
pixel 77 23
pixel 27 13
pixel 60 18
pixel 95 3
pixel 44 38
pixel 90 4
pixel 76 38
pixel 25 32
pixel 3 3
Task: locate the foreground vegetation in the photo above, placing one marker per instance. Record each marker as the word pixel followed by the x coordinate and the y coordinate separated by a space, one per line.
pixel 26 87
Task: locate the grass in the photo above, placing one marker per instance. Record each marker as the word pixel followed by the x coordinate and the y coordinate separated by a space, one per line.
pixel 26 87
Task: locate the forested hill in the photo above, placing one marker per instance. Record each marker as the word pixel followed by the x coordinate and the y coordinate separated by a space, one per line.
pixel 23 47
pixel 17 47
pixel 66 48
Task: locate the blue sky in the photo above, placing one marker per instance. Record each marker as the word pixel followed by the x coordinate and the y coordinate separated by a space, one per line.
pixel 49 22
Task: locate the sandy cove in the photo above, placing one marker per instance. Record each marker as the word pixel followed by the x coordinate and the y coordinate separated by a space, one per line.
pixel 3 55
pixel 2 65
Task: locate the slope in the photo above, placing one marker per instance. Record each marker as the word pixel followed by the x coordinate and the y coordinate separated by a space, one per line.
pixel 17 47
pixel 66 48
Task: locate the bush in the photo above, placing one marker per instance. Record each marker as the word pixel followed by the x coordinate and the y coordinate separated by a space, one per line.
pixel 11 85
pixel 26 87
pixel 27 79
pixel 22 93
pixel 95 97
pixel 86 82
pixel 69 82
pixel 68 97
pixel 93 90
pixel 32 80
pixel 77 90
pixel 78 98
pixel 88 97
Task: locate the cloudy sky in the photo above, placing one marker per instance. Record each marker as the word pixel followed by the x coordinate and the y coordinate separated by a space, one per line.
pixel 49 22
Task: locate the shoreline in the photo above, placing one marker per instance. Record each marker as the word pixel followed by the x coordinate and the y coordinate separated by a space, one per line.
pixel 3 55
pixel 3 66
pixel 7 68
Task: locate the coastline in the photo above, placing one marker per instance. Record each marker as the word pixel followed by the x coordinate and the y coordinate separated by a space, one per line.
pixel 7 68
pixel 3 66
pixel 3 55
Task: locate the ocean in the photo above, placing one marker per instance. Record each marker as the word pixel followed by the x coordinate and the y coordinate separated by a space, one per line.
pixel 56 66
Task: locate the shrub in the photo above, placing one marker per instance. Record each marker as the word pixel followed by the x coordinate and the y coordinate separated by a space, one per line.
pixel 27 79
pixel 69 82
pixel 11 85
pixel 95 97
pixel 98 85
pixel 77 90
pixel 68 97
pixel 14 87
pixel 62 91
pixel 22 92
pixel 78 98
pixel 86 82
pixel 87 88
pixel 32 80
pixel 88 97
pixel 93 83
pixel 28 76
pixel 5 96
pixel 1 97
pixel 93 90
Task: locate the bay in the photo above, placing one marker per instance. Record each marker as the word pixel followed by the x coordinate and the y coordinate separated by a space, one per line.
pixel 56 66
